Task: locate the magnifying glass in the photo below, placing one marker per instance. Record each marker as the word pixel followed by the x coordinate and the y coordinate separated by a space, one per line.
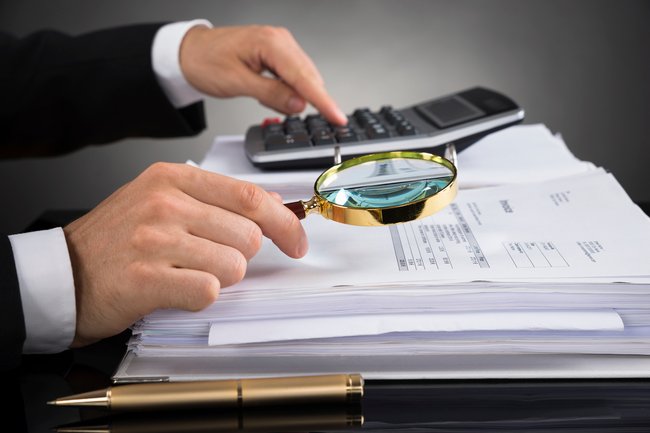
pixel 382 188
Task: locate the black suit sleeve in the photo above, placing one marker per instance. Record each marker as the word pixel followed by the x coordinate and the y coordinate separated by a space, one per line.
pixel 63 92
pixel 12 325
pixel 60 93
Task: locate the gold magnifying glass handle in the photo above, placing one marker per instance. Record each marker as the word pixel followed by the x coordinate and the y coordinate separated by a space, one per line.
pixel 303 208
pixel 298 208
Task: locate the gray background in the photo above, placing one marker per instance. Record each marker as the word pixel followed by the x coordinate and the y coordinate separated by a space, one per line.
pixel 580 67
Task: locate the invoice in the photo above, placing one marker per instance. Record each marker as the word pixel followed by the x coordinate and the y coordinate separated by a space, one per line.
pixel 533 232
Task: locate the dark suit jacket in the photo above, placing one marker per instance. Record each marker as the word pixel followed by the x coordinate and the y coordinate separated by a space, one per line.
pixel 60 93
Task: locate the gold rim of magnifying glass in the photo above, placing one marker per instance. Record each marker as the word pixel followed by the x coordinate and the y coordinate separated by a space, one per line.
pixel 389 215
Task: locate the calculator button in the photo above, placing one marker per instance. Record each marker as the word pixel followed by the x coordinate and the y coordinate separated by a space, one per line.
pixel 393 117
pixel 273 129
pixel 366 119
pixel 299 138
pixel 289 141
pixel 294 127
pixel 275 142
pixel 318 125
pixel 311 117
pixel 375 131
pixel 344 130
pixel 319 128
pixel 293 130
pixel 347 138
pixel 360 112
pixel 323 138
pixel 405 128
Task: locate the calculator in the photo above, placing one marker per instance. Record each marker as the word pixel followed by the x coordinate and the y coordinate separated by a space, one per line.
pixel 306 142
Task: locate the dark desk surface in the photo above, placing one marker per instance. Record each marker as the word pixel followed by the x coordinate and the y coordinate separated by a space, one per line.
pixel 459 406
pixel 540 406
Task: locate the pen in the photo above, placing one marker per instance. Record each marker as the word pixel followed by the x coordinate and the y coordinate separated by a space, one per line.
pixel 336 388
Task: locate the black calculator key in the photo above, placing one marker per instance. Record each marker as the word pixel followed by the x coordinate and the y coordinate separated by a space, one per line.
pixel 348 137
pixel 377 132
pixel 275 142
pixel 406 130
pixel 317 122
pixel 323 138
pixel 345 134
pixel 289 141
pixel 344 130
pixel 394 117
pixel 317 126
pixel 360 112
pixel 299 138
pixel 273 129
pixel 295 128
pixel 367 119
pixel 311 117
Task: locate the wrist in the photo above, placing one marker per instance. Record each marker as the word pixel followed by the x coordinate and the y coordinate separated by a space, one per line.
pixel 165 56
pixel 189 53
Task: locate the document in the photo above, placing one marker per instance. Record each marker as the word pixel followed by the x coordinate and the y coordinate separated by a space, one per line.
pixel 535 270
pixel 530 232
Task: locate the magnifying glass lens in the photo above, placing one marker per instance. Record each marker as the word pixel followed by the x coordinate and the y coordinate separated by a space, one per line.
pixel 381 189
pixel 385 183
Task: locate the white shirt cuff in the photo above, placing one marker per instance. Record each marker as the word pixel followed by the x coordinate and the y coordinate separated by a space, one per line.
pixel 165 57
pixel 46 290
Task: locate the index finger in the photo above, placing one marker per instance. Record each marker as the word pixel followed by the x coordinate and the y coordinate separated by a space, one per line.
pixel 288 60
pixel 249 200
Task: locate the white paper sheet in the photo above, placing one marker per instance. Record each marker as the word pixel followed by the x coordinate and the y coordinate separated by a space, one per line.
pixel 552 230
pixel 243 332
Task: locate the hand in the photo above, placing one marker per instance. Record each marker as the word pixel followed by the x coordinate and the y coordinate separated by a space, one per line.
pixel 171 238
pixel 229 61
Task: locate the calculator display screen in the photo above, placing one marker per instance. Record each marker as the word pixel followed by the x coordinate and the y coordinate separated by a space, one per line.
pixel 450 111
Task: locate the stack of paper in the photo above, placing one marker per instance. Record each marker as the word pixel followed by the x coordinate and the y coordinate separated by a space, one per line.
pixel 544 275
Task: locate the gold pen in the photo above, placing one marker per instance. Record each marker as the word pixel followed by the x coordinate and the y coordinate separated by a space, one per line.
pixel 335 388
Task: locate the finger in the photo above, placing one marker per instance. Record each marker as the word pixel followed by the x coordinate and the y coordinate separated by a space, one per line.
pixel 177 248
pixel 246 199
pixel 276 196
pixel 181 288
pixel 224 227
pixel 295 68
pixel 272 93
pixel 224 262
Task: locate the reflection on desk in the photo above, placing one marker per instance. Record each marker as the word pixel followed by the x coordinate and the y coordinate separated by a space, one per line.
pixel 541 406
pixel 290 419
